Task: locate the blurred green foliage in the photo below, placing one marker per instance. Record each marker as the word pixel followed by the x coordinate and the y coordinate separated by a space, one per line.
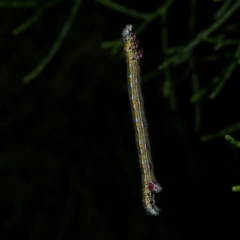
pixel 69 167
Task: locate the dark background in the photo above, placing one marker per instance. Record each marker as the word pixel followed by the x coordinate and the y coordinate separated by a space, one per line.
pixel 68 161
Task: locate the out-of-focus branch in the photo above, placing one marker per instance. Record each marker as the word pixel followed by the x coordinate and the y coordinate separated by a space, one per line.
pixel 56 44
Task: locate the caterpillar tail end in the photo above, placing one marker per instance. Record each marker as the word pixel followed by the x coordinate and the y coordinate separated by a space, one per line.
pixel 154 211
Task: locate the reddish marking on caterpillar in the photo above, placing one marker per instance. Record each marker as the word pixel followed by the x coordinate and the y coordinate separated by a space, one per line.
pixel 133 36
pixel 154 187
pixel 151 186
pixel 135 44
pixel 139 54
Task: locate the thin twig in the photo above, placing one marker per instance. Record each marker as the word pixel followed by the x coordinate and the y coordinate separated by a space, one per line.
pixel 56 44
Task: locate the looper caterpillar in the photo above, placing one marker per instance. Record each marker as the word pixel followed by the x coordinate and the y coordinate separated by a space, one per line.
pixel 149 182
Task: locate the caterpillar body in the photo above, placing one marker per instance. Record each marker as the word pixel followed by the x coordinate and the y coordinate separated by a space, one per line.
pixel 150 186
